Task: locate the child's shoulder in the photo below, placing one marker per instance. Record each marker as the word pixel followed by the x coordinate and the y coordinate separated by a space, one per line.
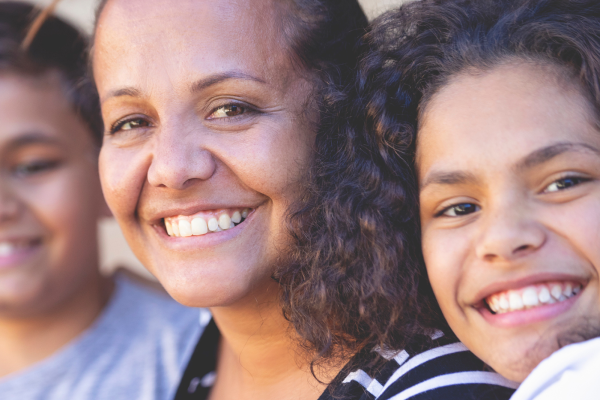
pixel 440 369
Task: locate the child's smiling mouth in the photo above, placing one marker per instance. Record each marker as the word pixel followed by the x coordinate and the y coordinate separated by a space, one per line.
pixel 532 296
pixel 205 222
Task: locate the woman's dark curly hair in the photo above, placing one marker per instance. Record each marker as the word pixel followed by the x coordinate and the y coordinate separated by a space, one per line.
pixel 358 277
pixel 56 47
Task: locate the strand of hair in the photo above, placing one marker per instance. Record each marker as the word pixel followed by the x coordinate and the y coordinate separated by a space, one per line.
pixel 37 24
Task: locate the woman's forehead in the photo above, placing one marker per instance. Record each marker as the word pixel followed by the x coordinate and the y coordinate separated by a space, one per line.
pixel 139 38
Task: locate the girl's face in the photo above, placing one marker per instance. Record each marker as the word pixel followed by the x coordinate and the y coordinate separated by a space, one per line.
pixel 207 137
pixel 50 197
pixel 509 174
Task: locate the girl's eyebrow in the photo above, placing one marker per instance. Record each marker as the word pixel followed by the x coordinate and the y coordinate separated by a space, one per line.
pixel 547 153
pixel 32 138
pixel 449 178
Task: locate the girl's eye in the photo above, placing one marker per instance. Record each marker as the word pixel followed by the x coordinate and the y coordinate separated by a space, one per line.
pixel 229 110
pixel 129 124
pixel 35 167
pixel 565 183
pixel 459 210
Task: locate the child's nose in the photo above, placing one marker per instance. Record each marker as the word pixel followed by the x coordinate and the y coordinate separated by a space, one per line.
pixel 508 233
pixel 9 204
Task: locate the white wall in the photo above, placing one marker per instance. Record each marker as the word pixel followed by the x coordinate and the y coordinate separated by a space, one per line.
pixel 114 249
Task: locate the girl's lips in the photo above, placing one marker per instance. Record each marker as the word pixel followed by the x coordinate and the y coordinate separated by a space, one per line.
pixel 527 316
pixel 15 252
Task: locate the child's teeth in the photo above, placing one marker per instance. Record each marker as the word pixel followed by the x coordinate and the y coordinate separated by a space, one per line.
pixel 516 302
pixel 530 297
pixel 213 224
pixel 199 227
pixel 185 228
pixel 245 213
pixel 236 217
pixel 6 249
pixel 225 221
pixel 556 291
pixel 544 295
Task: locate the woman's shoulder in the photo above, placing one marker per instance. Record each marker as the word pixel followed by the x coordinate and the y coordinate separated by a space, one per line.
pixel 438 369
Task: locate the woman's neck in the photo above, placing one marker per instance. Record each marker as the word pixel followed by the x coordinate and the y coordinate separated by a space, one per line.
pixel 25 341
pixel 259 356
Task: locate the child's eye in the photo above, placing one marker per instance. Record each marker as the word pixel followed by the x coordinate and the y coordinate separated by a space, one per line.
pixel 34 167
pixel 565 183
pixel 459 210
pixel 129 124
pixel 228 111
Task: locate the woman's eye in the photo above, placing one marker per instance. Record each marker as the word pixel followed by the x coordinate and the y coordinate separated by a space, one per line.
pixel 459 210
pixel 564 183
pixel 32 168
pixel 129 124
pixel 229 110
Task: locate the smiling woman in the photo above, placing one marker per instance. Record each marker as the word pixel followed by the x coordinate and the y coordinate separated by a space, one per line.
pixel 206 147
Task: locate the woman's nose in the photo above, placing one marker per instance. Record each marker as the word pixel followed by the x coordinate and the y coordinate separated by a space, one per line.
pixel 179 158
pixel 509 232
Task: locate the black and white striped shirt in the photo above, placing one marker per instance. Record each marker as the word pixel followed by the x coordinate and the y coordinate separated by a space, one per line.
pixel 446 370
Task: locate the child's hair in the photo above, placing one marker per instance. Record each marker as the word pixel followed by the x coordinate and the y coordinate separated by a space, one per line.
pixel 57 46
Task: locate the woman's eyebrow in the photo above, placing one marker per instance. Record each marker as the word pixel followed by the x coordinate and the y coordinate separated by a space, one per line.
pixel 545 154
pixel 214 79
pixel 32 138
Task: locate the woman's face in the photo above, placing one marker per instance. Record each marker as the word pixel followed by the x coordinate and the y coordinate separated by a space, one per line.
pixel 509 172
pixel 50 197
pixel 207 138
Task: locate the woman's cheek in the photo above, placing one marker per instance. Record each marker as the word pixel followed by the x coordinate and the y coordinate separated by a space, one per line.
pixel 123 173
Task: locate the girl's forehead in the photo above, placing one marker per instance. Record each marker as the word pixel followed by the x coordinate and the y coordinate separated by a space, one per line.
pixel 498 117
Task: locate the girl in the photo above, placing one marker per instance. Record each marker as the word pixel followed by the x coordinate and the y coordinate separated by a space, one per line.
pixel 497 104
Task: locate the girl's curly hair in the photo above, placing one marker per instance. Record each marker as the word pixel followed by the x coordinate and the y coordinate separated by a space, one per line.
pixel 357 279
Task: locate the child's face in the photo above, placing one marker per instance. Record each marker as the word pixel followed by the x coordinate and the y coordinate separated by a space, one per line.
pixel 50 197
pixel 509 173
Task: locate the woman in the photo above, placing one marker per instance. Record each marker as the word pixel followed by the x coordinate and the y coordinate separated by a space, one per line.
pixel 211 115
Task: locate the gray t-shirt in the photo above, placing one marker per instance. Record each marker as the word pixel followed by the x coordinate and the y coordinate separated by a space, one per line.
pixel 135 350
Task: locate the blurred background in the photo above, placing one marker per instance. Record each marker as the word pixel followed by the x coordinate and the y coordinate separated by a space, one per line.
pixel 114 250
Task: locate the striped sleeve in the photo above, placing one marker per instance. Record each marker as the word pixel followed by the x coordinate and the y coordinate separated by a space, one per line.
pixel 448 371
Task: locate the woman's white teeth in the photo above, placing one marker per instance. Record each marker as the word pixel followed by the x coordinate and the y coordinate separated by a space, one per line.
pixel 225 221
pixel 213 224
pixel 199 227
pixel 532 296
pixel 184 227
pixel 6 249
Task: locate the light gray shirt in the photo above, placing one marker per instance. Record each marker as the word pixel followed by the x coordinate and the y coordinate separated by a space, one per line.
pixel 137 349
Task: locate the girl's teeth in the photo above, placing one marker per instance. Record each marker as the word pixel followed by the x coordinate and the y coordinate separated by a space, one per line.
pixel 532 296
pixel 169 227
pixel 175 226
pixel 245 213
pixel 6 249
pixel 236 217
pixel 199 227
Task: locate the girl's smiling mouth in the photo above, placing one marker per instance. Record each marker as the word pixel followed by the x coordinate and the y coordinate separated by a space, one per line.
pixel 205 222
pixel 532 296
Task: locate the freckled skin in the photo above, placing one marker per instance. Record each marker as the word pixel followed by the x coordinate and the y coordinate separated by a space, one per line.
pixel 485 125
pixel 59 205
pixel 185 158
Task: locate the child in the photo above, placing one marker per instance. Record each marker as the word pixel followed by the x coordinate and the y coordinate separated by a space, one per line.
pixel 67 332
pixel 499 102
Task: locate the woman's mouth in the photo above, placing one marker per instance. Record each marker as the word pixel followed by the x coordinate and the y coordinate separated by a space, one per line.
pixel 205 222
pixel 14 251
pixel 532 296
